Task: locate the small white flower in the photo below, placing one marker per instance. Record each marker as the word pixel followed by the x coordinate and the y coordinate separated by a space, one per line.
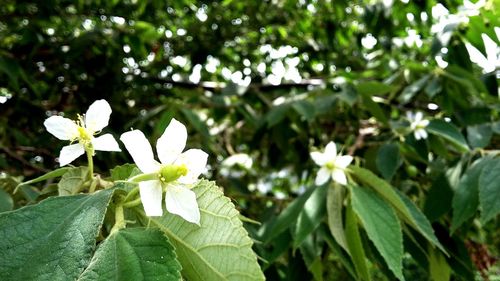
pixel 332 165
pixel 176 173
pixel 418 124
pixel 83 131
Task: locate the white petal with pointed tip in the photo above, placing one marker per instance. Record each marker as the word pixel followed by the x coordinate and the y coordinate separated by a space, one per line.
pixel 195 161
pixel 151 195
pixel 140 149
pixel 319 158
pixel 322 176
pixel 330 151
pixel 339 176
pixel 172 142
pixel 105 143
pixel 70 153
pixel 181 201
pixel 62 128
pixel 97 116
pixel 343 161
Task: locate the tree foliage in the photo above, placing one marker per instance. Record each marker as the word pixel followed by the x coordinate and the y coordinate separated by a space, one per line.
pixel 261 84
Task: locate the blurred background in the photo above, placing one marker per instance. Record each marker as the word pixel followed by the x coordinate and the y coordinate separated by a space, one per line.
pixel 259 84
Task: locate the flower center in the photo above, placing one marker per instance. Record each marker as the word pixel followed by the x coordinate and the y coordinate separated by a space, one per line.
pixel 169 173
pixel 83 134
pixel 330 165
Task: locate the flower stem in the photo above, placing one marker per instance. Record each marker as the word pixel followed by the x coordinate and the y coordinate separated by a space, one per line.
pixel 91 162
pixel 131 194
pixel 119 219
pixel 144 177
pixel 133 203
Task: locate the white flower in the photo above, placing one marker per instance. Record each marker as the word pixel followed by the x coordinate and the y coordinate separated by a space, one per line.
pixel 83 131
pixel 176 173
pixel 418 124
pixel 332 165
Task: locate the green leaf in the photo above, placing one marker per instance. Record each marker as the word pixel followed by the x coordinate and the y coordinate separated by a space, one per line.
pixel 305 109
pixel 73 180
pixel 381 225
pixel 411 90
pixel 489 191
pixel 374 108
pixel 438 199
pixel 449 132
pixel 373 88
pixel 466 198
pixel 124 172
pixel 218 250
pixel 311 215
pixel 52 174
pixel 52 240
pixel 355 245
pixel 420 222
pixel 404 207
pixel 134 254
pixel 438 267
pixel 479 136
pixel 6 202
pixel 277 114
pixel 287 216
pixel 334 206
pixel 388 160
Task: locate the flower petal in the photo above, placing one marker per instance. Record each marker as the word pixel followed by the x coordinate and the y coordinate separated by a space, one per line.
pixel 62 128
pixel 97 116
pixel 70 153
pixel 172 142
pixel 105 143
pixel 319 158
pixel 343 161
pixel 418 116
pixel 182 201
pixel 151 193
pixel 424 123
pixel 195 161
pixel 338 175
pixel 330 151
pixel 322 176
pixel 140 149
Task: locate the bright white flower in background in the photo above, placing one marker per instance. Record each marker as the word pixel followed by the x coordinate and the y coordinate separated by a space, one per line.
pixel 418 124
pixel 83 131
pixel 176 173
pixel 332 165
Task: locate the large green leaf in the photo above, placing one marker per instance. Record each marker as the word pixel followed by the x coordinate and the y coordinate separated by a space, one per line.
pixel 381 225
pixel 287 216
pixel 52 240
pixel 353 239
pixel 220 248
pixel 466 198
pixel 449 132
pixel 134 254
pixel 334 206
pixel 73 180
pixel 438 267
pixel 404 207
pixel 311 215
pixel 373 88
pixel 489 191
pixel 411 90
pixel 388 160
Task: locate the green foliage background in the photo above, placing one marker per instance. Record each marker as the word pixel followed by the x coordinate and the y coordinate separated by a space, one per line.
pixel 59 56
